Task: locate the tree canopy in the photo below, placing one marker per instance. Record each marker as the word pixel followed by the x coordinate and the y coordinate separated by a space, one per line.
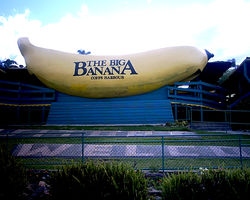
pixel 9 64
pixel 83 52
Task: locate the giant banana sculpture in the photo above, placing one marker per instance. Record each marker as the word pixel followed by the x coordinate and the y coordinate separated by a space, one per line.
pixel 112 76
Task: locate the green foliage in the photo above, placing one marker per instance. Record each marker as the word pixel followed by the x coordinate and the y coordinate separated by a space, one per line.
pixel 107 128
pixel 13 177
pixel 210 184
pixel 226 184
pixel 181 186
pixel 177 124
pixel 98 181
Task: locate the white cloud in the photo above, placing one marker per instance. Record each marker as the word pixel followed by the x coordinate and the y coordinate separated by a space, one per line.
pixel 83 11
pixel 12 28
pixel 220 26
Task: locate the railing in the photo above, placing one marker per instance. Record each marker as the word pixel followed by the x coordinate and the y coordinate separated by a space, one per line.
pixel 199 93
pixel 21 92
pixel 23 103
pixel 236 119
pixel 155 152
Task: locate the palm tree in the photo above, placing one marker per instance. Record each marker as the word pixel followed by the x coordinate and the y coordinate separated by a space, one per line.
pixel 1 67
pixel 81 51
pixel 9 63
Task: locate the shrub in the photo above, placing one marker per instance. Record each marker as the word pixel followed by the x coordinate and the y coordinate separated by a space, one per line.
pixel 181 186
pixel 227 184
pixel 211 184
pixel 177 124
pixel 13 179
pixel 98 181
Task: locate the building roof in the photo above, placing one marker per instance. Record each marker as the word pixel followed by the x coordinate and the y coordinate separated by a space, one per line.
pixel 213 71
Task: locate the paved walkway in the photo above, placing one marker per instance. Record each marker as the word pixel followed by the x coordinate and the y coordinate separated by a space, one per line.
pixel 41 133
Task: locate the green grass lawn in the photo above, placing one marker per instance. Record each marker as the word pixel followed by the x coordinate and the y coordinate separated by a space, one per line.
pixel 107 128
pixel 152 164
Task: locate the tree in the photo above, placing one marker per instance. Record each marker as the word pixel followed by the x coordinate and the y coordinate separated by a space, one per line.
pixel 81 51
pixel 7 64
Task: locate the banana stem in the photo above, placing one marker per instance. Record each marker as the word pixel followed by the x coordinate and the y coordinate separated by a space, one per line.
pixel 209 55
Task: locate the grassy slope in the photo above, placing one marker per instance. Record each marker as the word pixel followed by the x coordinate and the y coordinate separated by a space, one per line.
pixel 105 128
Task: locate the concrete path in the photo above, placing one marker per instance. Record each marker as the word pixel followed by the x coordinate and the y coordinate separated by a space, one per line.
pixel 41 133
pixel 58 133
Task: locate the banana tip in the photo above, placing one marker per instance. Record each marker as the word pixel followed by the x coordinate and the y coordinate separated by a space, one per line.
pixel 23 43
pixel 23 40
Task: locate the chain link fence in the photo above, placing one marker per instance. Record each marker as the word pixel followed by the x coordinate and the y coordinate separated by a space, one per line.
pixel 161 152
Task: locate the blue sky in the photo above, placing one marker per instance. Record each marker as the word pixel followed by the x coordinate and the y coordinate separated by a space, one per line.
pixel 50 11
pixel 126 26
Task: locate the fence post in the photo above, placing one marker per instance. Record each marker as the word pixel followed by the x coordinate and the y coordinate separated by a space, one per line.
pixel 83 147
pixel 225 113
pixel 186 113
pixel 201 100
pixel 7 141
pixel 175 111
pixel 19 91
pixel 162 150
pixel 201 108
pixel 230 117
pixel 241 162
pixel 43 114
pixel 191 116
pixel 18 114
pixel 29 113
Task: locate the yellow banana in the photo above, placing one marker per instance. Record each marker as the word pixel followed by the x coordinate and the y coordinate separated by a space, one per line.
pixel 112 76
